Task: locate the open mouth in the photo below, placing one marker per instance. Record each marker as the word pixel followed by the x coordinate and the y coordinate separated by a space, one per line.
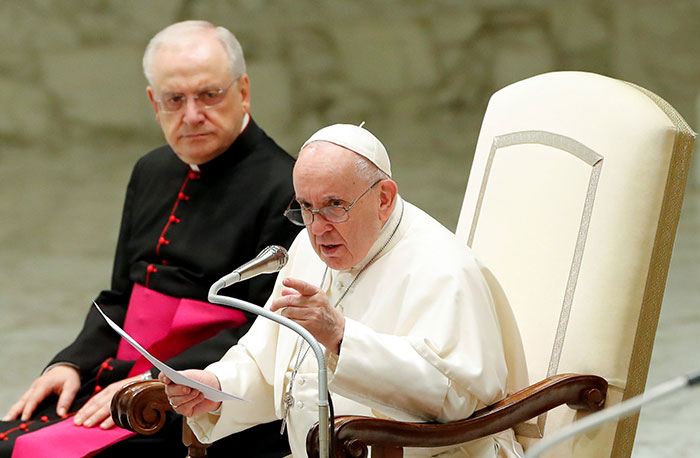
pixel 329 248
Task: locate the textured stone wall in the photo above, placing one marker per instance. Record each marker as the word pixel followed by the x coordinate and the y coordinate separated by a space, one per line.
pixel 74 114
pixel 419 73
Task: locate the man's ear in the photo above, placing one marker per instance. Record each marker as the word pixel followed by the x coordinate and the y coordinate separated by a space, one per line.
pixel 151 97
pixel 387 197
pixel 243 87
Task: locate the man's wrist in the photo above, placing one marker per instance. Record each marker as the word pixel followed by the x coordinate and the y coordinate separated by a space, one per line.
pixel 51 366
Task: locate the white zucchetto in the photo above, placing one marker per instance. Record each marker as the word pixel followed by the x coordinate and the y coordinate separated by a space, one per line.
pixel 358 140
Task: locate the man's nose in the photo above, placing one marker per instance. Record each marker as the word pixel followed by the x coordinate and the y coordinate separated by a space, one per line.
pixel 193 113
pixel 319 225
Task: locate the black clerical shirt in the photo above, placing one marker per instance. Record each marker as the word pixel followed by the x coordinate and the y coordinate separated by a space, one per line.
pixel 182 230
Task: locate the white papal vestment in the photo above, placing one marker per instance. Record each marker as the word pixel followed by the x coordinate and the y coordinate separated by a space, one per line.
pixel 421 343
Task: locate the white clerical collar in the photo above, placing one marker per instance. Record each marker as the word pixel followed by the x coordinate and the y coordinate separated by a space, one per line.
pixel 388 231
pixel 246 120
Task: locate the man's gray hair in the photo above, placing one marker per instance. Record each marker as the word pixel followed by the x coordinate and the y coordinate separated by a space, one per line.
pixel 368 171
pixel 177 31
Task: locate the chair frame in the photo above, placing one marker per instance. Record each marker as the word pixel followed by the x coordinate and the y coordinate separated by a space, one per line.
pixel 353 435
pixel 141 407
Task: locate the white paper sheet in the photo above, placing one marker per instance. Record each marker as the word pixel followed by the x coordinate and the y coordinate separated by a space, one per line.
pixel 172 374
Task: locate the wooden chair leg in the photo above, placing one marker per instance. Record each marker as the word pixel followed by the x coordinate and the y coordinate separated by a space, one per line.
pixel 387 452
pixel 195 449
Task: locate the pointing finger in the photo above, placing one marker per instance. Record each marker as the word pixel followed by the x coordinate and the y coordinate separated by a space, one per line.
pixel 305 289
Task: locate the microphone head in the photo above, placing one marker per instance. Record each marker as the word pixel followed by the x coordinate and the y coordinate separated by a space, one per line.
pixel 268 261
pixel 275 257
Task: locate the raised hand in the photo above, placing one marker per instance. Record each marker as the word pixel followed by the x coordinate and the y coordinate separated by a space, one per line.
pixel 308 305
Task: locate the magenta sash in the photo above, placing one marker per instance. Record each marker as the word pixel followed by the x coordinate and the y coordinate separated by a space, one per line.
pixel 165 326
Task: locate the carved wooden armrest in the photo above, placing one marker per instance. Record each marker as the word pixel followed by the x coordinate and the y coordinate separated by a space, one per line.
pixel 141 407
pixel 354 434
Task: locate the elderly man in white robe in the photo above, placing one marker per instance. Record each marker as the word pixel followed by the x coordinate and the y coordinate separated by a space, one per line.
pixel 398 302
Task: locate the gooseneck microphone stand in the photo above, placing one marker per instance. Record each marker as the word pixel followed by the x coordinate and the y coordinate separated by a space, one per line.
pixel 323 406
pixel 620 410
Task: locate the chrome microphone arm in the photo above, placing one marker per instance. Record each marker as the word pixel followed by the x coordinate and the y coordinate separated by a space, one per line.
pixel 323 405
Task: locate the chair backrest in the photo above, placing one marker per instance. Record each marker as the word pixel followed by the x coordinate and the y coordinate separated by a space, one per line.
pixel 572 204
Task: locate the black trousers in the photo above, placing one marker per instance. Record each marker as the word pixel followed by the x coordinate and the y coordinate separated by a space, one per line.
pixel 262 441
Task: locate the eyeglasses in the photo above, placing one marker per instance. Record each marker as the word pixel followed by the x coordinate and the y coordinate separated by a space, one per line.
pixel 335 213
pixel 173 102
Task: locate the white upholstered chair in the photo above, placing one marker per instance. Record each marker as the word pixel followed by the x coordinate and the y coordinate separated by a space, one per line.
pixel 572 205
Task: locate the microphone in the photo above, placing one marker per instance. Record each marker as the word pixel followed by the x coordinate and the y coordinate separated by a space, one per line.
pixel 269 260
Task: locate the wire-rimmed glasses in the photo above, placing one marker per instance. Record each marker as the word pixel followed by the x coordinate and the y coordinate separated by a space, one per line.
pixel 172 102
pixel 332 213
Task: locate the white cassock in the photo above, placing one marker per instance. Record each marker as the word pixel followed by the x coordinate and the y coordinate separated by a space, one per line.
pixel 421 343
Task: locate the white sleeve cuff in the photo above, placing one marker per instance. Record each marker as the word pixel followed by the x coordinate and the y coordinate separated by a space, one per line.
pixel 60 364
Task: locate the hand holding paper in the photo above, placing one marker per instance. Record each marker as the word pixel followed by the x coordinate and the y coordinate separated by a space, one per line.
pixel 209 392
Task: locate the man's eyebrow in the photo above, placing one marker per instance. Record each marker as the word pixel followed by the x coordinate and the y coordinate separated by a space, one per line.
pixel 205 88
pixel 326 201
pixel 209 87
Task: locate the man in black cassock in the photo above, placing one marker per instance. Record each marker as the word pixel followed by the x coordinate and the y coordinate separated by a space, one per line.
pixel 194 210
